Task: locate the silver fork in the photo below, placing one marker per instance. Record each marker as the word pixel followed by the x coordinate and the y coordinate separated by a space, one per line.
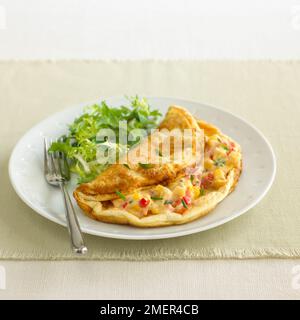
pixel 56 171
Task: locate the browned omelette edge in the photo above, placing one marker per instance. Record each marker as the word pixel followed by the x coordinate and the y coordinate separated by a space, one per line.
pixel 206 203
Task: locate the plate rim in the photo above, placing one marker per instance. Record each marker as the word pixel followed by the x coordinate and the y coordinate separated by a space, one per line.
pixel 176 234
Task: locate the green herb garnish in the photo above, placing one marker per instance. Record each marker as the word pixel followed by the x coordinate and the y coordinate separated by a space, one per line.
pixel 80 144
pixel 121 195
pixel 225 148
pixel 145 165
pixel 202 191
pixel 220 162
pixel 192 178
pixel 126 166
pixel 184 203
pixel 168 202
pixel 157 198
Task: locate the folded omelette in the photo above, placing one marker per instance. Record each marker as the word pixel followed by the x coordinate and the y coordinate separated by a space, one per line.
pixel 176 191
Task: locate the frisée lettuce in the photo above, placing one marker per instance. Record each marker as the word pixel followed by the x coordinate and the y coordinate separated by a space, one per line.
pixel 80 145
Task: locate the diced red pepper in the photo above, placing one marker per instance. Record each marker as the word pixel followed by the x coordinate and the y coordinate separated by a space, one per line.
pixel 210 176
pixel 231 147
pixel 144 202
pixel 188 192
pixel 187 200
pixel 176 203
pixel 125 204
pixel 207 180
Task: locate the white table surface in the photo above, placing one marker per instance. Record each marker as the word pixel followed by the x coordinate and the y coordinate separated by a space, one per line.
pixel 220 279
pixel 137 29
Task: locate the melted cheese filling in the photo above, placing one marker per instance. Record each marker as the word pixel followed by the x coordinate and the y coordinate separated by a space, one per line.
pixel 220 157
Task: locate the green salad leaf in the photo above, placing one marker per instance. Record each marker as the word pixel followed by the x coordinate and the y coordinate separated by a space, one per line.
pixel 80 145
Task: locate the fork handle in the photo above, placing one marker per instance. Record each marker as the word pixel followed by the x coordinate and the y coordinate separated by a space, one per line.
pixel 72 222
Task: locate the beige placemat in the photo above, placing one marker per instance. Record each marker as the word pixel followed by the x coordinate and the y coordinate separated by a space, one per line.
pixel 264 92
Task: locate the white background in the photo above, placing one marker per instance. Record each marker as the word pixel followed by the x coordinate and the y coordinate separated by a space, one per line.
pixel 132 29
pixel 143 29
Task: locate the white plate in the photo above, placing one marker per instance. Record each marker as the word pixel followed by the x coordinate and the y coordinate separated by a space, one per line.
pixel 259 166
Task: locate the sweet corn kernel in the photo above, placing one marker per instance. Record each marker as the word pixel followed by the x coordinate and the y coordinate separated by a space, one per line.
pixel 159 188
pixel 136 196
pixel 219 174
pixel 196 192
pixel 220 153
pixel 162 191
pixel 179 191
pixel 155 209
pixel 208 164
pixel 214 137
pixel 189 183
pixel 234 158
pixel 219 183
pixel 135 207
pixel 212 141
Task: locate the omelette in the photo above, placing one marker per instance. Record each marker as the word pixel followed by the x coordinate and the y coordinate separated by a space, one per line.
pixel 170 193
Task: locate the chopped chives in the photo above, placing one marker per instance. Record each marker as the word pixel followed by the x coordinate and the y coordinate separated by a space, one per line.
pixel 225 148
pixel 157 198
pixel 184 203
pixel 220 162
pixel 121 195
pixel 145 165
